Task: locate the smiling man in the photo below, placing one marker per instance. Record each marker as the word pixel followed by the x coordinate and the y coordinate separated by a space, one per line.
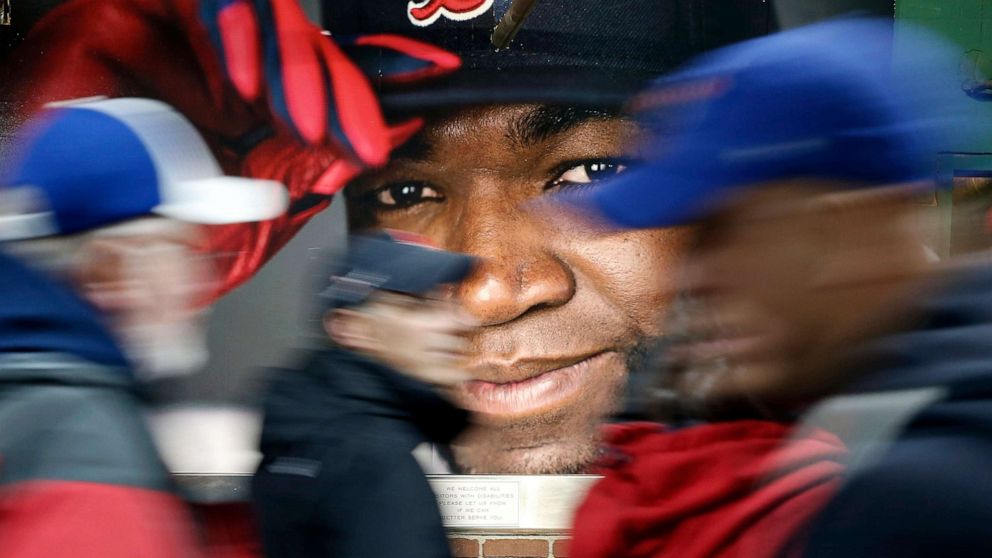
pixel 563 311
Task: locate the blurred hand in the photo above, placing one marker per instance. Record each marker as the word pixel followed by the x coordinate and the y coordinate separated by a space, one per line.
pixel 423 338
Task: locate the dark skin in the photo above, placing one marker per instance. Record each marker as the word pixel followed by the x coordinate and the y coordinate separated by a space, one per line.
pixel 561 306
pixel 784 281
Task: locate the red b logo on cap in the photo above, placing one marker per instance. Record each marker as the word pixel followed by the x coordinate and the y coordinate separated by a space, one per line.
pixel 425 12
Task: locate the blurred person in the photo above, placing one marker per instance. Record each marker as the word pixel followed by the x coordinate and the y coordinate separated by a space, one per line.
pixel 809 280
pixel 337 476
pixel 562 312
pixel 101 281
pixel 272 96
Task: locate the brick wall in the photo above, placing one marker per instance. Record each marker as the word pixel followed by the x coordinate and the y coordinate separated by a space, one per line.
pixel 491 545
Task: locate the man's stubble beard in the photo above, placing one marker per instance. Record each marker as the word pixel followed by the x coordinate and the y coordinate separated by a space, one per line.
pixel 565 447
pixel 512 448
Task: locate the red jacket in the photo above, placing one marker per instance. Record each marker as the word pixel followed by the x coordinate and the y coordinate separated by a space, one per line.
pixel 736 489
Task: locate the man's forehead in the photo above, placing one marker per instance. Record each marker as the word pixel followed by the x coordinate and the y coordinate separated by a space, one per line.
pixel 522 125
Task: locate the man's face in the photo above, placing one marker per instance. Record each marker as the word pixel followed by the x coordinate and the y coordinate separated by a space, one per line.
pixel 742 304
pixel 148 279
pixel 777 286
pixel 560 306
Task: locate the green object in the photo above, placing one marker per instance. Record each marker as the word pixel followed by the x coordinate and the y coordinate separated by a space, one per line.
pixel 967 23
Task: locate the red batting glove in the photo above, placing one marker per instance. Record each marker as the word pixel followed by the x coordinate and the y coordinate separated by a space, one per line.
pixel 269 45
pixel 254 112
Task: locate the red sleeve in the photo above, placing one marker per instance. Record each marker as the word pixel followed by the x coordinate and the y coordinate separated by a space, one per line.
pixel 54 519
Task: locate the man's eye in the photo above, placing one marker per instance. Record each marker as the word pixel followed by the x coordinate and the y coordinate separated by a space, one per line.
pixel 588 172
pixel 402 195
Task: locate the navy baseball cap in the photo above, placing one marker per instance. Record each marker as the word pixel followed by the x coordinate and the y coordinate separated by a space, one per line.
pixel 84 165
pixel 824 101
pixel 591 53
pixel 391 261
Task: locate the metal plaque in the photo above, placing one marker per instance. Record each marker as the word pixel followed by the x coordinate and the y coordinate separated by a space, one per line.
pixel 543 503
pixel 471 502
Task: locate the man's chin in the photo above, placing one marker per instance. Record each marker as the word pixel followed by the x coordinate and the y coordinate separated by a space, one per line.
pixel 563 440
pixel 570 456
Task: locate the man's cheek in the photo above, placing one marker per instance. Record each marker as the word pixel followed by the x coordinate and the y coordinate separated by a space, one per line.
pixel 635 271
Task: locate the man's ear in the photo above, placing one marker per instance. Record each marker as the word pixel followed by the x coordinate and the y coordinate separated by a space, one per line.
pixel 349 328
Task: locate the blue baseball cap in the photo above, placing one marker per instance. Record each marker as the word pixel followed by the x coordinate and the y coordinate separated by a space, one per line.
pixel 824 101
pixel 84 165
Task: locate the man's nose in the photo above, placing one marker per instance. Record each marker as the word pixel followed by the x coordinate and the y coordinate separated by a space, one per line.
pixel 518 272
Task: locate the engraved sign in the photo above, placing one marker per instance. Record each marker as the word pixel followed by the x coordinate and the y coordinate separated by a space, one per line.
pixel 478 503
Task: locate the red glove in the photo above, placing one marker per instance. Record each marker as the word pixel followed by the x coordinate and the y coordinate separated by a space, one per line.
pixel 162 49
pixel 272 40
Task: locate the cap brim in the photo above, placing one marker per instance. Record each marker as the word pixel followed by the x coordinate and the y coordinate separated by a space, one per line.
pixel 651 196
pixel 224 200
pixel 554 86
pixel 435 268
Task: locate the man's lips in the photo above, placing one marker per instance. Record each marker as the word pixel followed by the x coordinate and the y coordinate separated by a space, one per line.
pixel 542 389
